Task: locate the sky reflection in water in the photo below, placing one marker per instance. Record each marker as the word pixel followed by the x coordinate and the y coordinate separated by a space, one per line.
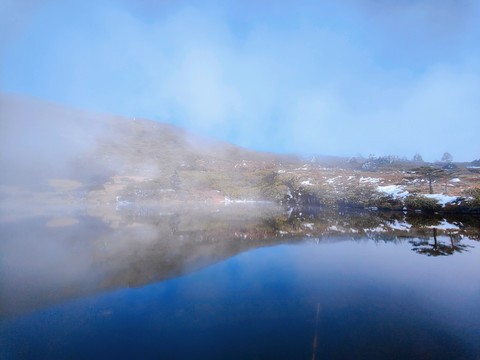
pixel 295 298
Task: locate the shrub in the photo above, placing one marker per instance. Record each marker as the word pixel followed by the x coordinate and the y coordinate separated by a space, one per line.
pixel 356 196
pixel 273 188
pixel 386 202
pixel 474 197
pixel 419 202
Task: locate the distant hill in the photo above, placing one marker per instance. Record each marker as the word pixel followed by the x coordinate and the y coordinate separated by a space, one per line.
pixel 41 140
pixel 51 152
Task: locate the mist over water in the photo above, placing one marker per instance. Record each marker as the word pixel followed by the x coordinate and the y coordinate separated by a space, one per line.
pixel 185 179
pixel 239 281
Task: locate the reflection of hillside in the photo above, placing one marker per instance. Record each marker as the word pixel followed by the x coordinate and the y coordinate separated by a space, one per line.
pixel 49 259
pixel 118 248
pixel 157 243
pixel 313 221
pixel 153 244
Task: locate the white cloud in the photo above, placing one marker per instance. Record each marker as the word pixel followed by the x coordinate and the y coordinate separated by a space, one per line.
pixel 312 83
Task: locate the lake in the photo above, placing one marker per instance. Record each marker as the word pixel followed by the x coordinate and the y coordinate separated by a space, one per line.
pixel 238 281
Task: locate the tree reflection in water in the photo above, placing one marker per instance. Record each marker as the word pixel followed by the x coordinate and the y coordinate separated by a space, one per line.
pixel 423 246
pixel 102 248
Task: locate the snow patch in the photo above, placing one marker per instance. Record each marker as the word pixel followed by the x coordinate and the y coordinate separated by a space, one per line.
pixel 369 180
pixel 332 180
pixel 377 229
pixel 395 190
pixel 442 199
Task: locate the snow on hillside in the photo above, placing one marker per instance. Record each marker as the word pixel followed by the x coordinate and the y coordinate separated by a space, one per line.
pixel 442 199
pixel 395 190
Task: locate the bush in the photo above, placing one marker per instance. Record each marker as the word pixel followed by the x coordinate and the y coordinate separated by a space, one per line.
pixel 356 196
pixel 386 202
pixel 419 202
pixel 474 198
pixel 473 192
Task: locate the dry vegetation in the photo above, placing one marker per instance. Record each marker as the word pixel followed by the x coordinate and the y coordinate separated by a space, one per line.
pixel 115 160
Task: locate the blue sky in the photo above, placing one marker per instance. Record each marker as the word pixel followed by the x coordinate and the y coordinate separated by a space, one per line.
pixel 330 77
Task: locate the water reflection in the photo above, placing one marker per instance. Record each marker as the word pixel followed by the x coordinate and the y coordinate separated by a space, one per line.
pixel 72 252
pixel 243 281
pixel 438 248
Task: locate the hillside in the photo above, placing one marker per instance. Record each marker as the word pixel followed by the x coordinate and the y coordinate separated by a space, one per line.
pixel 55 140
pixel 51 152
pixel 47 146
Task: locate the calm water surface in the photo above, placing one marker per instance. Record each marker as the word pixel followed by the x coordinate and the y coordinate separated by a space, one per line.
pixel 239 283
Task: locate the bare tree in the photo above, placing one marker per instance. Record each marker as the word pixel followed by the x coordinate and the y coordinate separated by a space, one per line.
pixel 417 158
pixel 447 157
pixel 430 173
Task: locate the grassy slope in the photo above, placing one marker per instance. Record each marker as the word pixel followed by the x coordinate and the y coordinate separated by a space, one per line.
pixel 104 158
